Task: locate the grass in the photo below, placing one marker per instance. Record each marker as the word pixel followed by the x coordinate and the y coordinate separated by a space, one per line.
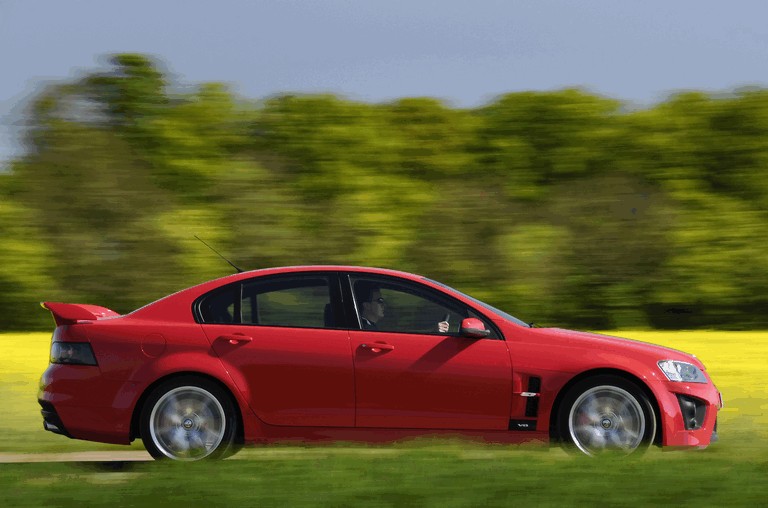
pixel 732 472
pixel 422 474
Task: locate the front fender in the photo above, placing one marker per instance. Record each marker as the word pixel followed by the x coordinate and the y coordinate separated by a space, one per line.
pixel 664 393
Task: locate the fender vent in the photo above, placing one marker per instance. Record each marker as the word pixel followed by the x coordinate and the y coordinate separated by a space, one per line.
pixel 532 403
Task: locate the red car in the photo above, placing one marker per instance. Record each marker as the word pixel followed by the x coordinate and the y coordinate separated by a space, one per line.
pixel 357 354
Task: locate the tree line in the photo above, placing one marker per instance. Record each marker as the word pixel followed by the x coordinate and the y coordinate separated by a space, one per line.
pixel 564 208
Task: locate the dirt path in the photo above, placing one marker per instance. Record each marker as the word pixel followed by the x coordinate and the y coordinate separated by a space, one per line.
pixel 108 456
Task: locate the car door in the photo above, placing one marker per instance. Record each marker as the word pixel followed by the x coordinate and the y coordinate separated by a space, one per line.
pixel 410 375
pixel 278 338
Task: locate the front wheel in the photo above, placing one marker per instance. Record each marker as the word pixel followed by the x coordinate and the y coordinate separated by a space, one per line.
pixel 188 418
pixel 606 413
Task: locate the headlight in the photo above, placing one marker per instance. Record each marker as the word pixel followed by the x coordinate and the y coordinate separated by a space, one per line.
pixel 682 371
pixel 72 353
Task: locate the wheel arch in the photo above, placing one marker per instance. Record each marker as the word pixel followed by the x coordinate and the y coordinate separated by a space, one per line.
pixel 136 415
pixel 553 435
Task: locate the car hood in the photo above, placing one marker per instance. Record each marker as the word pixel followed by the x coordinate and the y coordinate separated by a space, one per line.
pixel 609 343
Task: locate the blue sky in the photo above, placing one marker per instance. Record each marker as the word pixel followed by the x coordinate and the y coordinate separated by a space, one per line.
pixel 464 52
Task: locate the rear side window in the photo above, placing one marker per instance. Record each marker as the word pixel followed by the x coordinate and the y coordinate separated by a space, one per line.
pixel 301 302
pixel 293 301
pixel 220 306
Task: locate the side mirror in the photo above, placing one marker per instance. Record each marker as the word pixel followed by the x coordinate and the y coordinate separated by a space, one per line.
pixel 473 328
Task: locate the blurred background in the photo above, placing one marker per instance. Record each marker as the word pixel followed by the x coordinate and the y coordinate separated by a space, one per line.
pixel 538 193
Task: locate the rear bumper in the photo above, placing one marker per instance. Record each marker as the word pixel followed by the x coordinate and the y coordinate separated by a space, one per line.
pixel 78 403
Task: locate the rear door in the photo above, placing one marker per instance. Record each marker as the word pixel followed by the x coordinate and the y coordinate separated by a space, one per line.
pixel 410 375
pixel 279 338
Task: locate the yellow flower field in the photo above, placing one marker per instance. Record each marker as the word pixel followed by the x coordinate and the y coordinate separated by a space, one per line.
pixel 736 361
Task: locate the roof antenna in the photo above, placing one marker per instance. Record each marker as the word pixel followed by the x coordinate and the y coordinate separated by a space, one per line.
pixel 219 254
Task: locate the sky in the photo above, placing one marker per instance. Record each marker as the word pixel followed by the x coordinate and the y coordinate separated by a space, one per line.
pixel 465 52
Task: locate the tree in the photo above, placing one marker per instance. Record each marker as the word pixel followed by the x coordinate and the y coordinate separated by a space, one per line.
pixel 561 207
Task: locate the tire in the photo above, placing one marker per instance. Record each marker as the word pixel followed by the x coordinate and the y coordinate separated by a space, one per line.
pixel 189 418
pixel 605 414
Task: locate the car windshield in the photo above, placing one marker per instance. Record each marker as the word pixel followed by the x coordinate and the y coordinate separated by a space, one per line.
pixel 491 308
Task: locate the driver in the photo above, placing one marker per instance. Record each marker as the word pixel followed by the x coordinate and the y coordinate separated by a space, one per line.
pixel 373 307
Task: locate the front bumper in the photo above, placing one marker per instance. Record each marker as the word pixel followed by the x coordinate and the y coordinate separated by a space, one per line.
pixel 689 414
pixel 51 420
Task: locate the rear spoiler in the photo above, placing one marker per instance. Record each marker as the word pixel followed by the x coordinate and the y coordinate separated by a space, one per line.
pixel 70 313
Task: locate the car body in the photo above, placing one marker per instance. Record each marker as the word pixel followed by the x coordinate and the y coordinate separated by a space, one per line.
pixel 282 354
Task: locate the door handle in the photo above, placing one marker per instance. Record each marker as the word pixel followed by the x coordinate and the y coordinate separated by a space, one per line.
pixel 235 338
pixel 377 347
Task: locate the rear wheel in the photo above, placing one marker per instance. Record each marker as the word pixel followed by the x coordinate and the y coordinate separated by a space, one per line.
pixel 606 414
pixel 188 418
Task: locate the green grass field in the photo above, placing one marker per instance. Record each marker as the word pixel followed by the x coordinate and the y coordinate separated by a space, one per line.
pixel 733 472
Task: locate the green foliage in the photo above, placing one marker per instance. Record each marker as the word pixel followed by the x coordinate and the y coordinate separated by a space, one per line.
pixel 24 261
pixel 131 94
pixel 561 207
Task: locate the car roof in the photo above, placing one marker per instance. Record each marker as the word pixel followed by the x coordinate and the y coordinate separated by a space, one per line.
pixel 319 268
pixel 185 296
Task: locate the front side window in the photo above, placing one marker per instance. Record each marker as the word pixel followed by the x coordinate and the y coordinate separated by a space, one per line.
pixel 393 306
pixel 301 301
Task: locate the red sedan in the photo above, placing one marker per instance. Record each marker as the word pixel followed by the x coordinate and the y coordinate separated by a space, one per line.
pixel 357 354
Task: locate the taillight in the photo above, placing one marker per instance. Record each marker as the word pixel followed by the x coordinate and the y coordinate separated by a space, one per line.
pixel 72 353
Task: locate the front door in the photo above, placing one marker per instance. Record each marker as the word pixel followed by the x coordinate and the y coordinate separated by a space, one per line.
pixel 409 374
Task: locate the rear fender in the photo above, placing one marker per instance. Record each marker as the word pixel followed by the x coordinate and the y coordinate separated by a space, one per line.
pixel 189 363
